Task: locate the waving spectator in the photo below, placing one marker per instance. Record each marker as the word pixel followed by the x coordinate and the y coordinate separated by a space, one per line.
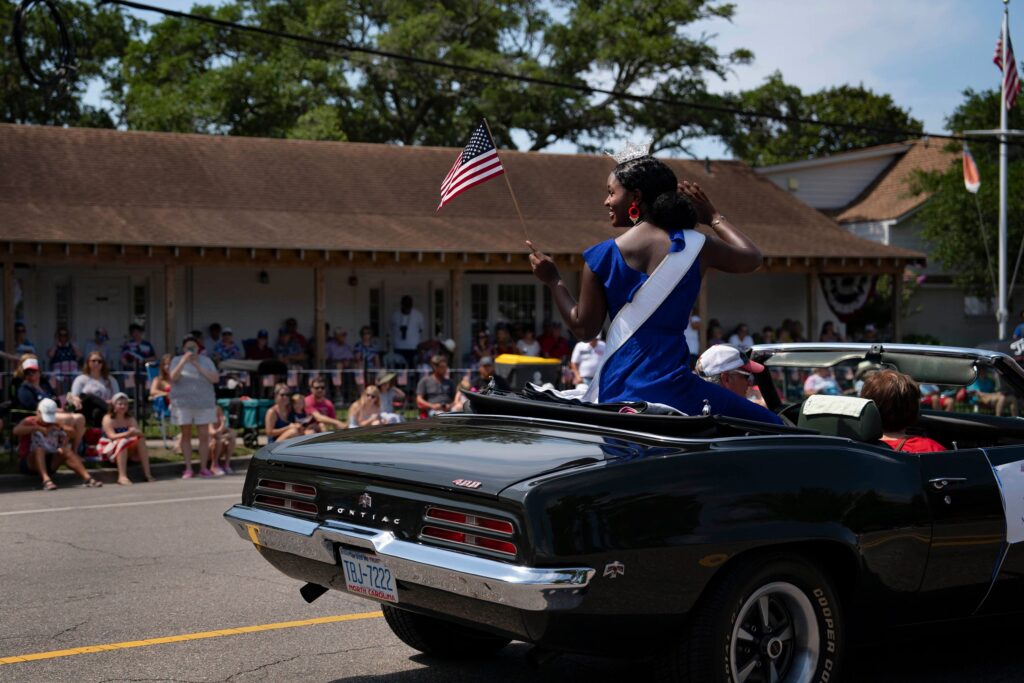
pixel 92 390
pixel 122 439
pixel 64 354
pixel 33 390
pixel 136 351
pixel 194 403
pixel 43 447
pixel 99 343
pixel 226 348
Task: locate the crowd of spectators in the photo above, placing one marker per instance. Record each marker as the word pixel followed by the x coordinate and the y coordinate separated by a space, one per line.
pixel 789 331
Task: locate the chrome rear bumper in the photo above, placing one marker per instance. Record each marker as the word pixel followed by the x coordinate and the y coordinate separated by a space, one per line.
pixel 526 588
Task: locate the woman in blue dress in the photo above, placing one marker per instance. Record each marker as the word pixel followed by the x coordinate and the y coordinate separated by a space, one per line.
pixel 661 213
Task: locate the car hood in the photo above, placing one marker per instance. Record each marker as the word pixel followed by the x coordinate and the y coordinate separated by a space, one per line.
pixel 441 451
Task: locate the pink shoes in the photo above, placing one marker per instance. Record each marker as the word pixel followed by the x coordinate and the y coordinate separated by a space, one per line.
pixel 187 474
pixel 205 473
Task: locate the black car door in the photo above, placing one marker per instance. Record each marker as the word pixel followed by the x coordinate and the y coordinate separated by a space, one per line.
pixel 968 532
pixel 1007 593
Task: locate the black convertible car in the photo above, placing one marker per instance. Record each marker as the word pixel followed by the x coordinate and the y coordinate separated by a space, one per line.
pixel 729 550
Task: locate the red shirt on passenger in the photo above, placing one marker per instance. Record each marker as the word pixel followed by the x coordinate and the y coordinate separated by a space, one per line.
pixel 915 444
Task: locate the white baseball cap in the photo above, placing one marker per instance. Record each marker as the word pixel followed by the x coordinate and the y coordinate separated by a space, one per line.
pixel 449 344
pixel 48 410
pixel 725 358
pixel 30 364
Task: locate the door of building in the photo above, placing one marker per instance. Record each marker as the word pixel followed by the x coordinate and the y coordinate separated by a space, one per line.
pixel 101 302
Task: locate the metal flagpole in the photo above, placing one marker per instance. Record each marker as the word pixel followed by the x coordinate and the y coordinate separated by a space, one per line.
pixel 1003 312
pixel 509 184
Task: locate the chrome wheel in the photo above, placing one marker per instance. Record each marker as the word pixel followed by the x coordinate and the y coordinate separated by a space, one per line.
pixel 775 637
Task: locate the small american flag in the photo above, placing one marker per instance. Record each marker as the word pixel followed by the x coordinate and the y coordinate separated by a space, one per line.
pixel 477 164
pixel 1011 83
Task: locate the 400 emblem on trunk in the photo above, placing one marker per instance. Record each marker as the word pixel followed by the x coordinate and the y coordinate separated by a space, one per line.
pixel 467 483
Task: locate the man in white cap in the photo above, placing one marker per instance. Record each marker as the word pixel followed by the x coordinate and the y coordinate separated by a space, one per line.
pixel 43 446
pixel 726 365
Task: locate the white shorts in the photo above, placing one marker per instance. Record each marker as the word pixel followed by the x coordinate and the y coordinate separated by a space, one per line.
pixel 183 415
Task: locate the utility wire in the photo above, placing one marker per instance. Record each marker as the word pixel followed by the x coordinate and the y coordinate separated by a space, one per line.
pixel 900 133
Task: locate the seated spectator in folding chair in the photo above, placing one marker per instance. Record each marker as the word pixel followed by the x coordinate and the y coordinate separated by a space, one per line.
pixel 288 349
pixel 44 446
pixel 222 441
pixel 226 348
pixel 340 356
pixel 319 407
pixel 366 351
pixel 123 440
pixel 99 344
pixel 33 390
pixel 92 390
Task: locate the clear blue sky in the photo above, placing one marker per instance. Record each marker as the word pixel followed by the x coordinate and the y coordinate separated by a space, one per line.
pixel 922 52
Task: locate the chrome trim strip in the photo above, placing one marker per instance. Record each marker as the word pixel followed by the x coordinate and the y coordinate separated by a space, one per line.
pixel 527 588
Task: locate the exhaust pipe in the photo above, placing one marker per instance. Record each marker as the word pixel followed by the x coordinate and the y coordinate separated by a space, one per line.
pixel 311 591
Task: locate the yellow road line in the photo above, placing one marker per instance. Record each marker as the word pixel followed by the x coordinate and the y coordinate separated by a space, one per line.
pixel 53 654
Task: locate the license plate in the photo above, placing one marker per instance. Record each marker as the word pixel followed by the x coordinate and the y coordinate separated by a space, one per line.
pixel 367 575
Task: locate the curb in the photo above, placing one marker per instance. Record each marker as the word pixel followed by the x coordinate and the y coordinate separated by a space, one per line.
pixel 108 475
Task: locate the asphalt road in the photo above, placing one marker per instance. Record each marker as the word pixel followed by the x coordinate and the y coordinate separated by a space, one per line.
pixel 94 567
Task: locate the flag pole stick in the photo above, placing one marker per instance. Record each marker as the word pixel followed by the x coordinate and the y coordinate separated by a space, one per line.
pixel 1003 314
pixel 508 183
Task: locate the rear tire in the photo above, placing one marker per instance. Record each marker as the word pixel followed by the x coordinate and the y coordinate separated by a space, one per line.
pixel 440 638
pixel 772 613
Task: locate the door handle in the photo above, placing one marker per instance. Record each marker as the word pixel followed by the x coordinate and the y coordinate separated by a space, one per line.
pixel 940 483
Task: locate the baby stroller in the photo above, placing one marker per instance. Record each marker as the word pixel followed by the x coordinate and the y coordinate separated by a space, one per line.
pixel 247 414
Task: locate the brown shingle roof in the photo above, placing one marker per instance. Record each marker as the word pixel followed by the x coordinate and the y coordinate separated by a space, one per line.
pixel 889 196
pixel 136 188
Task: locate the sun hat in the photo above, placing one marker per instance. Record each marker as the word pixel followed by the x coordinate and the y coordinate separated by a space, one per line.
pixel 726 358
pixel 384 378
pixel 119 395
pixel 48 410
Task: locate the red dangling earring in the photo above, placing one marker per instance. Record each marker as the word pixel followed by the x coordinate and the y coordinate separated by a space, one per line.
pixel 634 212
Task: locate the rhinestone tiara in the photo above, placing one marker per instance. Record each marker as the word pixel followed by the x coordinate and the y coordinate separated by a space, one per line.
pixel 632 150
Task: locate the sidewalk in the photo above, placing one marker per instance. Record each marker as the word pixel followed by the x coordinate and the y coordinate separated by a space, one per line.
pixel 108 474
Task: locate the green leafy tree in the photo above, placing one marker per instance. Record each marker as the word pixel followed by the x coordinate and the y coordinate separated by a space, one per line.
pixel 99 37
pixel 760 141
pixel 184 76
pixel 959 225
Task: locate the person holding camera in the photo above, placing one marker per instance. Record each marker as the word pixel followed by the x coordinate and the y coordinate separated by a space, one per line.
pixel 194 403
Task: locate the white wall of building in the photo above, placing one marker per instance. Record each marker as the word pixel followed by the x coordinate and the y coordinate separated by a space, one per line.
pixel 828 186
pixel 760 299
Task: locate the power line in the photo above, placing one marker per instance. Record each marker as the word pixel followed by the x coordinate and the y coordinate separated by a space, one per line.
pixel 899 133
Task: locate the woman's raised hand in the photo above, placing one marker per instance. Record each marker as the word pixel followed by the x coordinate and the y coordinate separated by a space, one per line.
pixel 701 204
pixel 543 267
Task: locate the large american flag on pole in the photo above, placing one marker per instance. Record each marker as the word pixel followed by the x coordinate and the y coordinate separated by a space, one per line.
pixel 477 164
pixel 1011 83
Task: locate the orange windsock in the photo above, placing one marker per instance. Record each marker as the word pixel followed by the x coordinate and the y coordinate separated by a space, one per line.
pixel 972 180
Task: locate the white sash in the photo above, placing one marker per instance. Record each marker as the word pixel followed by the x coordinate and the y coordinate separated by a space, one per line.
pixel 651 295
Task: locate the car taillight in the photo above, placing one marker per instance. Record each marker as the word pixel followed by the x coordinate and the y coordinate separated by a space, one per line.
pixel 500 526
pixel 468 539
pixel 284 495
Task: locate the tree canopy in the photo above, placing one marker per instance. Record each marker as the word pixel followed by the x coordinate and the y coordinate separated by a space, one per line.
pixel 959 225
pixel 185 76
pixel 760 141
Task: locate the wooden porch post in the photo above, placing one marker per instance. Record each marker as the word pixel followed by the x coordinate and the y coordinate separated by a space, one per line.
pixel 319 307
pixel 170 312
pixel 455 289
pixel 9 306
pixel 897 305
pixel 812 305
